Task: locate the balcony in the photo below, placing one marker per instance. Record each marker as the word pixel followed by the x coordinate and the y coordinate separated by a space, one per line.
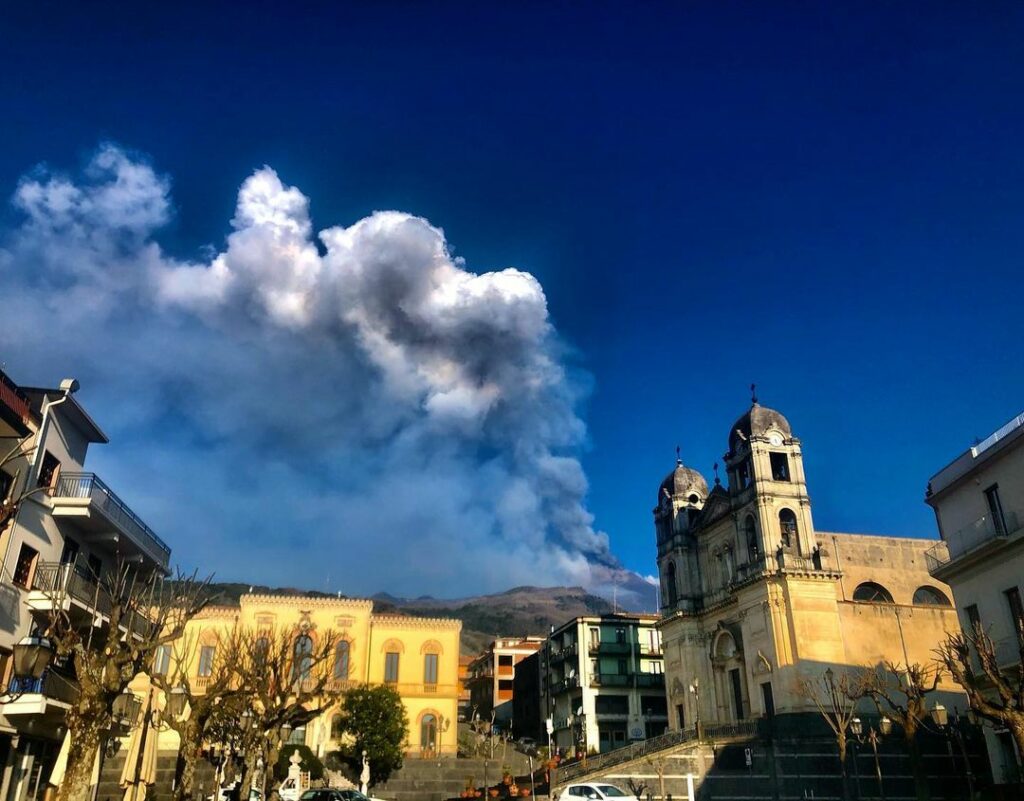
pixel 611 680
pixel 14 409
pixel 563 653
pixel 84 498
pixel 972 540
pixel 52 694
pixel 645 680
pixel 71 588
pixel 610 648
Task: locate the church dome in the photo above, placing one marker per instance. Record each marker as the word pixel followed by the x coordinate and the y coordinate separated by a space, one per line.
pixel 683 481
pixel 757 421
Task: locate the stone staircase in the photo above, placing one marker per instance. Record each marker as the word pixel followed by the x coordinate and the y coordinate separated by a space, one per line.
pixel 440 779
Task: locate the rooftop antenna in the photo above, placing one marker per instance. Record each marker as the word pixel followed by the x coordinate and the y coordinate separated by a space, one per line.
pixel 753 394
pixel 679 458
pixel 717 479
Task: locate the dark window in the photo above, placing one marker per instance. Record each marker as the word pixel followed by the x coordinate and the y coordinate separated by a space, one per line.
pixel 672 592
pixel 430 669
pixel 95 566
pixel 341 660
pixel 611 705
pixel 49 471
pixel 391 667
pixel 872 593
pixel 694 499
pixel 506 685
pixel 995 508
pixel 302 663
pixel 206 654
pixel 336 727
pixel 750 532
pixel 623 667
pixel 620 635
pixel 743 474
pixel 1016 610
pixel 6 480
pixel 681 716
pixel 505 660
pixel 654 705
pixel 930 596
pixel 768 699
pixel 26 566
pixel 973 618
pixel 260 652
pixel 69 553
pixel 780 466
pixel 737 692
pixel 787 527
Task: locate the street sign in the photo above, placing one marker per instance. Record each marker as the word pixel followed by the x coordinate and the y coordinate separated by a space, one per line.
pixel 550 725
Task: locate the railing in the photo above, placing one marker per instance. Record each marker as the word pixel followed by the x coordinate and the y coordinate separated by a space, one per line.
pixel 610 648
pixel 743 729
pixel 960 543
pixel 89 485
pixel 611 680
pixel 650 680
pixel 997 435
pixel 563 653
pixel 57 580
pixel 51 685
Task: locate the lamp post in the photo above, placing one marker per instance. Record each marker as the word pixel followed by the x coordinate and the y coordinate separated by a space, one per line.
pixel 884 728
pixel 953 729
pixel 695 689
pixel 857 728
pixel 32 656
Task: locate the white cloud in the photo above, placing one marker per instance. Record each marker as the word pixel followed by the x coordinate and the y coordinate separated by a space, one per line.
pixel 359 395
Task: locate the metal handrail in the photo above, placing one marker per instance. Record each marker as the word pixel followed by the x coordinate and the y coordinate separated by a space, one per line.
pixel 971 537
pixel 89 485
pixel 51 685
pixel 718 731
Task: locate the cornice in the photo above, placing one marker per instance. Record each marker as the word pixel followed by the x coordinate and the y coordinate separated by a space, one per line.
pixel 408 621
pixel 305 601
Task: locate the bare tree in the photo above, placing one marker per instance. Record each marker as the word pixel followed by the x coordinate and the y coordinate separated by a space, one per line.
pixel 198 704
pixel 659 764
pixel 995 694
pixel 138 612
pixel 288 680
pixel 836 701
pixel 904 691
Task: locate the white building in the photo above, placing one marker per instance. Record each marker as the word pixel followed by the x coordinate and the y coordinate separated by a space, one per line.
pixel 602 682
pixel 979 505
pixel 71 530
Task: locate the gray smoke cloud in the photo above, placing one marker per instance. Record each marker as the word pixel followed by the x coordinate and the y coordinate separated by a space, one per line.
pixel 352 408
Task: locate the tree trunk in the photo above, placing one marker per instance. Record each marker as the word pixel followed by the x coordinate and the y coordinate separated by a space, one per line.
pixel 185 764
pixel 845 784
pixel 248 773
pixel 85 745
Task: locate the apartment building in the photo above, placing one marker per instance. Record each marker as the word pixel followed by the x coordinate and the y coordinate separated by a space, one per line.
pixel 979 506
pixel 493 673
pixel 62 529
pixel 603 683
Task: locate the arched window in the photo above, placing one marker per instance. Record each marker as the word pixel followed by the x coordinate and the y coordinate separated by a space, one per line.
pixel 341 661
pixel 750 533
pixel 428 733
pixel 430 670
pixel 302 663
pixel 673 593
pixel 872 593
pixel 787 525
pixel 336 727
pixel 927 595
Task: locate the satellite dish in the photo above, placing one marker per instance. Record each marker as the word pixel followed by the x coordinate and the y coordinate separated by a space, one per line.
pixel 579 711
pixel 572 673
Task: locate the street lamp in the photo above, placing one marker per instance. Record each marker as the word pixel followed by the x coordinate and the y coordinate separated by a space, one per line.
pixel 857 728
pixel 695 689
pixel 176 700
pixel 286 731
pixel 32 655
pixel 954 729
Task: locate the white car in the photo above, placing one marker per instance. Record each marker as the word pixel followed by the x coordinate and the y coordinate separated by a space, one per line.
pixel 595 792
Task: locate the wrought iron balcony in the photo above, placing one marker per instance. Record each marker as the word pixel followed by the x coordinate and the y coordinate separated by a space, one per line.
pixel 610 647
pixel 644 680
pixel 84 495
pixel 611 680
pixel 57 585
pixel 971 539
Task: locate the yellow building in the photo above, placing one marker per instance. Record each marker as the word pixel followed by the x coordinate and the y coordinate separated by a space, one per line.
pixel 418 656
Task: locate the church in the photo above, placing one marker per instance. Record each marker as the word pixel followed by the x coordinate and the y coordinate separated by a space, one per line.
pixel 754 598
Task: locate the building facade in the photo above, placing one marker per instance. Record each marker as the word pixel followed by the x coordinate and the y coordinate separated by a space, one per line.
pixel 979 507
pixel 755 599
pixel 603 683
pixel 68 532
pixel 417 656
pixel 492 676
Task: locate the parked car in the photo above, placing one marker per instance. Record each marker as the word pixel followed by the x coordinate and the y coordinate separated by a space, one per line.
pixel 329 794
pixel 232 793
pixel 355 795
pixel 598 791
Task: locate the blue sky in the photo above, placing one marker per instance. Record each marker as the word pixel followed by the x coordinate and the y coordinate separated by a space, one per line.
pixel 825 199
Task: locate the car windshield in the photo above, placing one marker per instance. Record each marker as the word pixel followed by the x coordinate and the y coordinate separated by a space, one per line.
pixel 309 795
pixel 611 791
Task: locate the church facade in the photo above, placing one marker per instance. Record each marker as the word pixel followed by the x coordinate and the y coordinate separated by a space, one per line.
pixel 754 598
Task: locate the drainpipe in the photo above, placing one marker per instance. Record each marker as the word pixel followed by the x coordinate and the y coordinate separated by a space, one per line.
pixel 839 567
